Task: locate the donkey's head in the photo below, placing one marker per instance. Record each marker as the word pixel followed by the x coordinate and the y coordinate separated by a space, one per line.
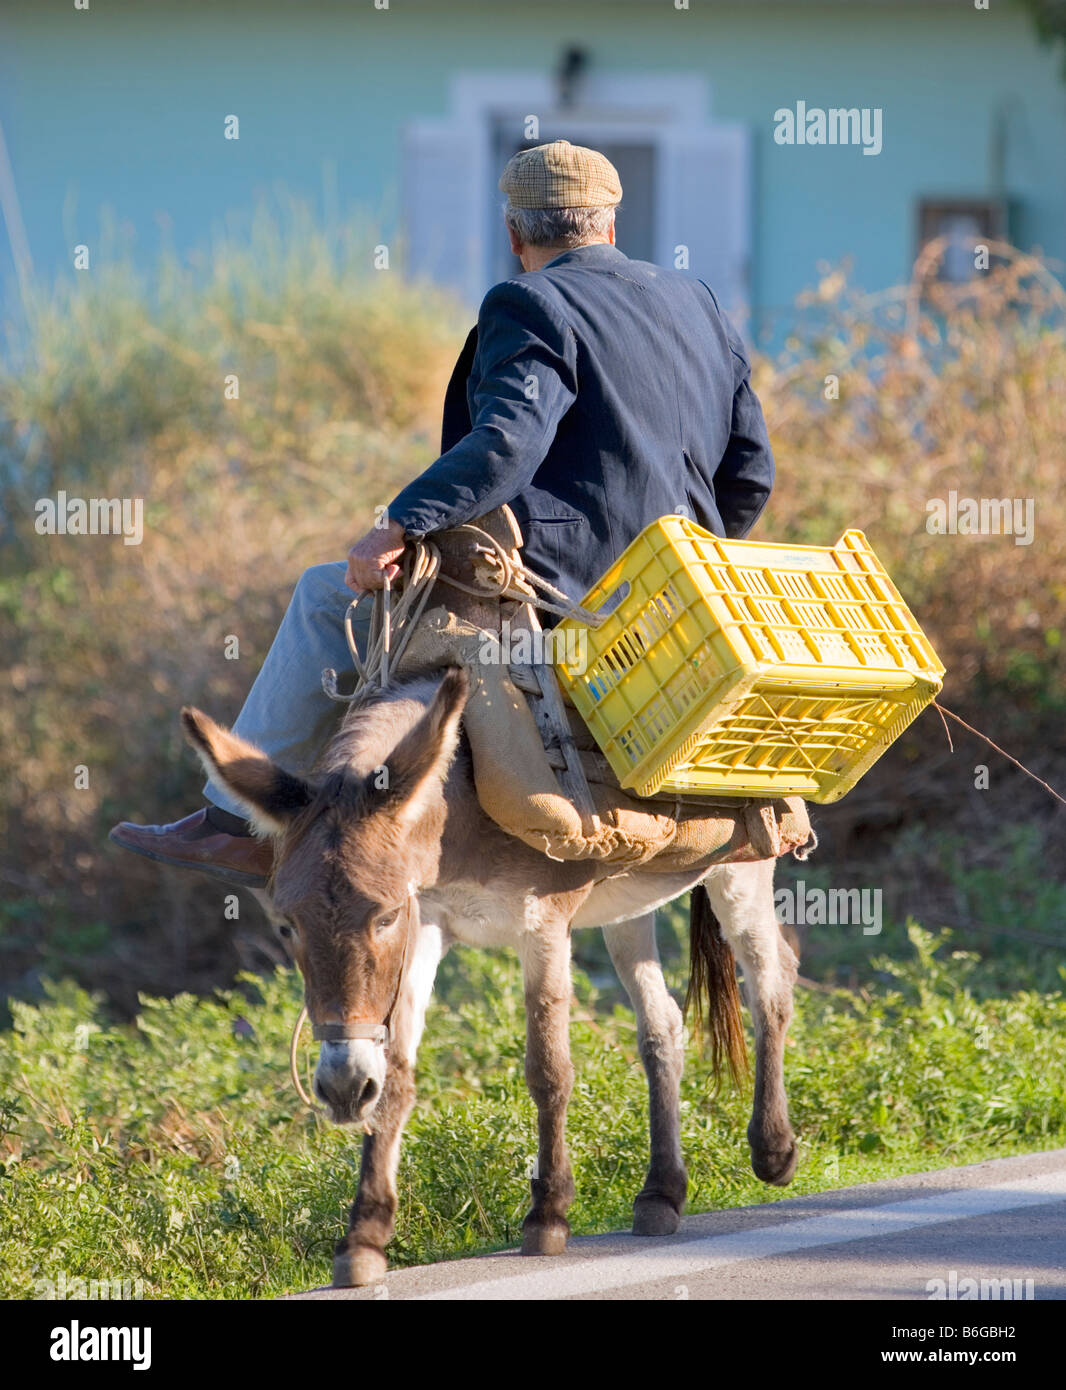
pixel 353 845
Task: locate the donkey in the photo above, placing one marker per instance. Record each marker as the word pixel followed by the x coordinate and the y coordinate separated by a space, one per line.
pixel 384 858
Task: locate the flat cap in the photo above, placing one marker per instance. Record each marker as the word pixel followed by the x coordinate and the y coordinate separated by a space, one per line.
pixel 561 175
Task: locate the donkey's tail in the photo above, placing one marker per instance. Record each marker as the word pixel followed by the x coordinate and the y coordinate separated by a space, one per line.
pixel 713 996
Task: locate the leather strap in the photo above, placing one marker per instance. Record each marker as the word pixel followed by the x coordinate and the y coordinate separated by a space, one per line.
pixel 341 1032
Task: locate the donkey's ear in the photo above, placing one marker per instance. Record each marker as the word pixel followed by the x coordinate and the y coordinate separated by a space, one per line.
pixel 419 763
pixel 270 795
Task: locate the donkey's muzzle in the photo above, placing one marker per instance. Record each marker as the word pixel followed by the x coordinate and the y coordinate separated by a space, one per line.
pixel 349 1078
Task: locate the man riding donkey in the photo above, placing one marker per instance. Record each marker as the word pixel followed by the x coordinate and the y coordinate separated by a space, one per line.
pixel 595 395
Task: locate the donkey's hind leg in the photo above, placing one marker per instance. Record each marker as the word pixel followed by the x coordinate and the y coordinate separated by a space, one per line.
pixel 545 956
pixel 742 897
pixel 635 955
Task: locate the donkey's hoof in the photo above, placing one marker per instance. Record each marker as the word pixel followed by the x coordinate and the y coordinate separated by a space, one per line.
pixel 358 1267
pixel 545 1240
pixel 655 1216
pixel 775 1166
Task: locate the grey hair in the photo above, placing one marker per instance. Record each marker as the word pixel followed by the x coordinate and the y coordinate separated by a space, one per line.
pixel 558 226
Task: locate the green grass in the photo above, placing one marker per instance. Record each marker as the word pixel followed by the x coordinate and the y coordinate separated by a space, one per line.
pixel 174 1151
pixel 998 894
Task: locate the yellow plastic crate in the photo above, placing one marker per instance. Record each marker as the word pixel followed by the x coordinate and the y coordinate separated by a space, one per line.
pixel 747 668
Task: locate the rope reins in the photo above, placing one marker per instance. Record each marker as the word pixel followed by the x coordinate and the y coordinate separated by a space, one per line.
pixel 942 710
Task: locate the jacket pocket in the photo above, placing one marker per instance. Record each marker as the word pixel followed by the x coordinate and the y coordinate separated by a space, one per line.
pixel 556 546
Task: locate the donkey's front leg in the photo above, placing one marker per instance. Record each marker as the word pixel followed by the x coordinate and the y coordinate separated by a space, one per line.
pixel 545 955
pixel 360 1257
pixel 742 896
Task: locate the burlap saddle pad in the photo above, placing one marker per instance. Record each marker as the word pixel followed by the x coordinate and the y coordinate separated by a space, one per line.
pixel 538 772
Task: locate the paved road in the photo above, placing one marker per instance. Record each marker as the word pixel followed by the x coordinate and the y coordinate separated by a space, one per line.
pixel 1004 1220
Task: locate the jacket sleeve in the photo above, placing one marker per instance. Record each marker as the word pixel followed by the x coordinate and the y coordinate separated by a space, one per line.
pixel 525 380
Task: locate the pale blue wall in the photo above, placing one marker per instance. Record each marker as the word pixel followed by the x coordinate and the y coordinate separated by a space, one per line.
pixel 123 105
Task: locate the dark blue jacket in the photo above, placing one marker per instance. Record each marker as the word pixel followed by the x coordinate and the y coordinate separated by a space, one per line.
pixel 595 395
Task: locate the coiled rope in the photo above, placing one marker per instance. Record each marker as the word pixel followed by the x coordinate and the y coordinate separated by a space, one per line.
pixel 394 619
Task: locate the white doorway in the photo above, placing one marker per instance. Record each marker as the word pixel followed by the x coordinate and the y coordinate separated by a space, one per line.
pixel 686 179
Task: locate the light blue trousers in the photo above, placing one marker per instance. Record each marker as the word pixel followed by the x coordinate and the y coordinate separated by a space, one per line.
pixel 287 714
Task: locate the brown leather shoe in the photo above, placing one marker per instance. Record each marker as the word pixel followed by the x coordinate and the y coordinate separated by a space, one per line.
pixel 192 843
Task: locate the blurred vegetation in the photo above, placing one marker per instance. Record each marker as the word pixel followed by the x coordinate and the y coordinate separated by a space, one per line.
pixel 174 1151
pixel 942 388
pixel 113 384
pixel 1049 20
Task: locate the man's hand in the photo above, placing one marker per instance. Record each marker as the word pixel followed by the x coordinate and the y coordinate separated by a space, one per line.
pixel 374 556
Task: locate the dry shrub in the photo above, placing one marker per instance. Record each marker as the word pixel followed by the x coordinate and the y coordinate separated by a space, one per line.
pixel 941 388
pixel 116 388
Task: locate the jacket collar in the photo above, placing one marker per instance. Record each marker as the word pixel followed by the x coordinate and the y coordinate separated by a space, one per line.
pixel 599 253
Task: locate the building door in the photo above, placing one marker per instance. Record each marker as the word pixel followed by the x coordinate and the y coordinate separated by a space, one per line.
pixel 686 180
